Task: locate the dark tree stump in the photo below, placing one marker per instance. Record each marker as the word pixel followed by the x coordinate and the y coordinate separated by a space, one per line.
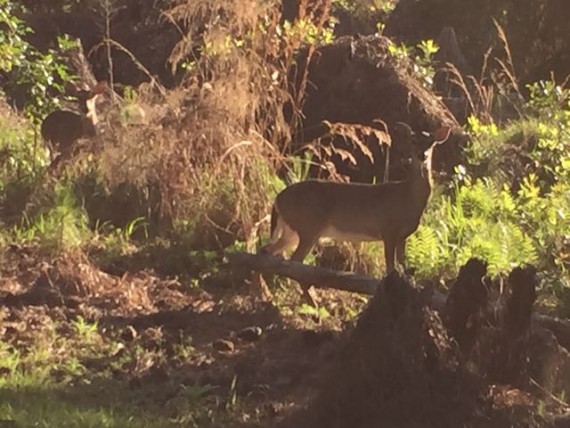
pixel 468 296
pixel 510 362
pixel 519 305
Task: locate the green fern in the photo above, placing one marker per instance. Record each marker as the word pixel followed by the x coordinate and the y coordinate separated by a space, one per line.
pixel 478 220
pixel 425 251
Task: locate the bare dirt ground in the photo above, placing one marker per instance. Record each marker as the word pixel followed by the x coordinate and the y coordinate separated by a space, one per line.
pixel 202 352
pixel 160 337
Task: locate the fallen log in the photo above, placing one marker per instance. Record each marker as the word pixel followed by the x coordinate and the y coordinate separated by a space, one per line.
pixel 348 281
pixel 317 276
pixel 559 327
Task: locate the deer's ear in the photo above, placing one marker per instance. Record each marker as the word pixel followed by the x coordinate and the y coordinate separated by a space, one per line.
pixel 441 134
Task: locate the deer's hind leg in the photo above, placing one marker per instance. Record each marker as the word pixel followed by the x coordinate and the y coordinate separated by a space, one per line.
pixel 283 239
pixel 306 243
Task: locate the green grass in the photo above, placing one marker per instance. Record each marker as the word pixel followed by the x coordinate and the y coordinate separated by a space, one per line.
pixel 51 406
pixel 71 375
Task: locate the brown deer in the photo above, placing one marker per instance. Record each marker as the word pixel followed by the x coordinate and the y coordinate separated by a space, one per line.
pixel 307 211
pixel 62 128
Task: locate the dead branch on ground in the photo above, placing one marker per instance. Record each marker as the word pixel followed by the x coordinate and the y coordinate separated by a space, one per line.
pixel 314 275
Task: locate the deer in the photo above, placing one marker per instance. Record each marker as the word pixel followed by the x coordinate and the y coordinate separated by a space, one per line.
pixel 62 128
pixel 307 211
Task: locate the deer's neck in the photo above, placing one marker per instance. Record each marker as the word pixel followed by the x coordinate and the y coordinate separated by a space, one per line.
pixel 421 184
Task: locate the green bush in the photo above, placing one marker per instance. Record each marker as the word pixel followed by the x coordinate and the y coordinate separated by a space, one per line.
pixel 30 76
pixel 61 224
pixel 510 202
pixel 476 220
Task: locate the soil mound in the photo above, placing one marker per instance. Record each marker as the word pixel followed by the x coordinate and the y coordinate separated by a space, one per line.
pixel 357 80
pixel 400 368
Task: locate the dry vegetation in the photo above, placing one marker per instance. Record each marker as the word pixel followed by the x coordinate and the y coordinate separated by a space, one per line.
pixel 117 305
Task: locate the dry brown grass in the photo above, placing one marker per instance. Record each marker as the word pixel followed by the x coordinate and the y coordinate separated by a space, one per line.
pixel 496 84
pixel 212 146
pixel 357 139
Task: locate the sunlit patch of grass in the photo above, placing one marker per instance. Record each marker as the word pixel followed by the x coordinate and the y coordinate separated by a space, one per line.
pixel 37 391
pixel 50 407
pixel 75 375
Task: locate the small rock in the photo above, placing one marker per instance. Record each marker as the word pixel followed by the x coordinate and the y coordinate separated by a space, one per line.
pixel 250 334
pixel 223 345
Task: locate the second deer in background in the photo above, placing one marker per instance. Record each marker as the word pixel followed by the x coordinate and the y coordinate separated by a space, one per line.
pixel 307 211
pixel 62 128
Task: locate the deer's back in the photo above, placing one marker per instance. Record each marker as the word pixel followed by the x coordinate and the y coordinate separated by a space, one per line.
pixel 61 128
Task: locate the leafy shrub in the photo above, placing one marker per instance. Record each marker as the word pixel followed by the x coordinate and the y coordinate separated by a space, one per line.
pixel 22 158
pixel 477 220
pixel 547 218
pixel 510 202
pixel 30 76
pixel 214 155
pixel 420 59
pixel 29 79
pixel 60 225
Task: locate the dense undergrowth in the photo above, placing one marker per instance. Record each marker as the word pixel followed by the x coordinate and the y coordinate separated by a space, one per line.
pixel 509 202
pixel 208 170
pixel 200 177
